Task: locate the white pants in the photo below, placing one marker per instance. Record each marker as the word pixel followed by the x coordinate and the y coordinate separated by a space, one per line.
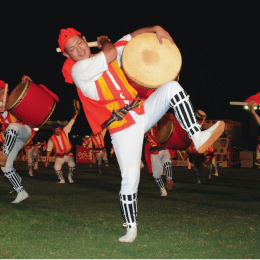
pixel 128 143
pixel 60 161
pixel 23 135
pixel 30 153
pixel 102 155
pixel 158 160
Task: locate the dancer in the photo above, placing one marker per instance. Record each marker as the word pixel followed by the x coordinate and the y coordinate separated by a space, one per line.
pixel 211 161
pixel 16 135
pixel 106 96
pixel 198 160
pixel 98 143
pixel 59 141
pixel 32 150
pixel 158 158
pixel 88 145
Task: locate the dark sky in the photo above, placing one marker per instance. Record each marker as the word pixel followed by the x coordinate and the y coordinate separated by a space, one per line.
pixel 218 42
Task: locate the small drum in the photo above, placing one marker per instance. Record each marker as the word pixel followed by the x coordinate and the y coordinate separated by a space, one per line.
pixel 31 103
pixel 148 64
pixel 171 134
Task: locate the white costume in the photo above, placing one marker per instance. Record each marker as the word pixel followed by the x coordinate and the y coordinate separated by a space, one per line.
pixel 61 159
pixel 100 149
pixel 32 154
pixel 129 141
pixel 16 135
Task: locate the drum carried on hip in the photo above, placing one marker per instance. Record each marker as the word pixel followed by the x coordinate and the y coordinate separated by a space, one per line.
pixel 31 103
pixel 171 134
pixel 147 64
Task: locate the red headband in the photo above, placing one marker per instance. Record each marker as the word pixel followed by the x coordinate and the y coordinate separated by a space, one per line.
pixel 65 35
pixel 2 84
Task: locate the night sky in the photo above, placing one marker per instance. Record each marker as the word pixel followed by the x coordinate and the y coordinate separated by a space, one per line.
pixel 218 42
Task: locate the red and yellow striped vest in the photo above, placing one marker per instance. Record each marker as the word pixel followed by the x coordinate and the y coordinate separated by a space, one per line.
pixel 150 137
pixel 98 142
pixel 65 142
pixel 111 98
pixel 8 120
pixel 12 119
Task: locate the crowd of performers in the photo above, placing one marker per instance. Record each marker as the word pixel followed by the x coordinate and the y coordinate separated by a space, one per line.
pixel 110 102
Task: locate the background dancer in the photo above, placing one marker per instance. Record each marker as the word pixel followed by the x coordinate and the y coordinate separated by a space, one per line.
pixel 106 96
pixel 16 135
pixel 98 144
pixel 59 141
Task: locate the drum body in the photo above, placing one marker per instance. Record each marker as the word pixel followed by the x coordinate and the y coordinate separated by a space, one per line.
pixel 171 134
pixel 31 103
pixel 148 64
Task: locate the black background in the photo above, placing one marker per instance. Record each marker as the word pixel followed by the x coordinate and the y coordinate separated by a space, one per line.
pixel 218 42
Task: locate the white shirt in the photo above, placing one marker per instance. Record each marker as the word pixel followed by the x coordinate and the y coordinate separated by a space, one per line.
pixel 86 72
pixel 66 129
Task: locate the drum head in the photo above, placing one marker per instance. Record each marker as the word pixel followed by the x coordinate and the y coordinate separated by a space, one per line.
pixel 150 64
pixel 17 95
pixel 165 128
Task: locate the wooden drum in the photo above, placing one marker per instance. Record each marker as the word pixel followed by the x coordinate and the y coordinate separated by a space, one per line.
pixel 171 134
pixel 31 103
pixel 148 64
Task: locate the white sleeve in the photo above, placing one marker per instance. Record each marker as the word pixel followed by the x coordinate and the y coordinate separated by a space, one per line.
pixel 68 127
pixel 121 48
pixel 49 146
pixel 87 70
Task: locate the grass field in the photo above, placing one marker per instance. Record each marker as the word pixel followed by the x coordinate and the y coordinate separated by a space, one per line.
pixel 217 219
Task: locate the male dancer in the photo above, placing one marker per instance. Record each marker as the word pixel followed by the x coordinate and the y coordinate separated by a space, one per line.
pixel 88 145
pixel 211 161
pixel 59 141
pixel 198 159
pixel 32 149
pixel 107 96
pixel 98 143
pixel 157 158
pixel 16 135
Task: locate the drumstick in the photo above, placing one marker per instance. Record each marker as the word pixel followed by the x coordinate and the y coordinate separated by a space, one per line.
pixel 238 103
pixel 5 94
pixel 241 103
pixel 90 44
pixel 180 154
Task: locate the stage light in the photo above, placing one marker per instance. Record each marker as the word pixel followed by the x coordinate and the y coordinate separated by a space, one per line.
pixel 36 129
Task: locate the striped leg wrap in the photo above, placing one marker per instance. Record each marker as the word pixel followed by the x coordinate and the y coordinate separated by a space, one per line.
pixel 71 171
pixel 59 175
pixel 159 182
pixel 129 209
pixel 106 162
pixel 35 159
pixel 168 170
pixel 15 180
pixel 184 113
pixel 10 138
pixel 30 167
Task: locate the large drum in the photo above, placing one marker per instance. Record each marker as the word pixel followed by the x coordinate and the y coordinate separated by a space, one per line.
pixel 148 64
pixel 171 134
pixel 31 103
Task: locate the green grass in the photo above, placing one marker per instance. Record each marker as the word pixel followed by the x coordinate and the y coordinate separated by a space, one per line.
pixel 217 219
